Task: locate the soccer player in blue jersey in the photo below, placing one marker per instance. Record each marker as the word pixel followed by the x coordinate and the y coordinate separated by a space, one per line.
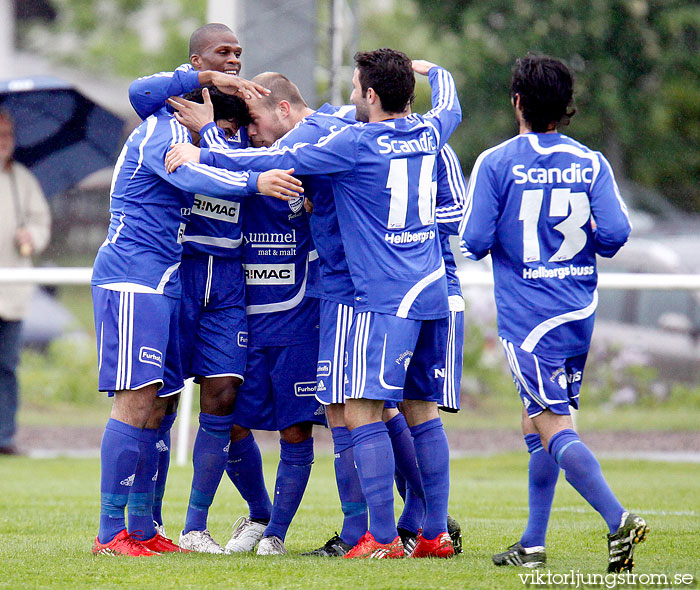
pixel 400 289
pixel 213 325
pixel 544 205
pixel 136 292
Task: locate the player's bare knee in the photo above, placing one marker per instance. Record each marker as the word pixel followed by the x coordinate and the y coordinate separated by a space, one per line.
pixel 335 415
pixel 297 433
pixel 160 405
pixel 419 411
pixel 238 433
pixel 133 406
pixel 218 395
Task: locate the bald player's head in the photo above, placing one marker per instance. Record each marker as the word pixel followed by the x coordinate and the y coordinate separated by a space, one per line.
pixel 281 88
pixel 274 115
pixel 215 47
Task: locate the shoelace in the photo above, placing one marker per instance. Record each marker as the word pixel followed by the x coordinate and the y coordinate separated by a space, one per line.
pixel 237 530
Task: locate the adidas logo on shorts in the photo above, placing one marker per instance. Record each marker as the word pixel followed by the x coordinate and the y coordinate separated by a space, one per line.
pixel 129 481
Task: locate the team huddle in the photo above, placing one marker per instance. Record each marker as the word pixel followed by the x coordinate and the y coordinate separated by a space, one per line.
pixel 297 265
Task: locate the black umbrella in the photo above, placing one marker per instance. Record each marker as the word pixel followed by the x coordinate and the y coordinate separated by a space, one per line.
pixel 60 135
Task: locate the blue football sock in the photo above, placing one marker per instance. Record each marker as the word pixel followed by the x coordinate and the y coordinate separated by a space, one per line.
pixel 163 445
pixel 292 476
pixel 244 468
pixel 374 458
pixel 119 455
pixel 352 501
pixel 584 474
pixel 209 460
pixel 433 456
pixel 413 513
pixel 543 473
pixel 140 507
pixel 400 482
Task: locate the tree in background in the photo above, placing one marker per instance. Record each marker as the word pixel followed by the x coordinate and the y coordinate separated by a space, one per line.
pixel 125 37
pixel 637 67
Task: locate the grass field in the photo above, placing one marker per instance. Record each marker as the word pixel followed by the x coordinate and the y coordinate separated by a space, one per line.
pixel 49 508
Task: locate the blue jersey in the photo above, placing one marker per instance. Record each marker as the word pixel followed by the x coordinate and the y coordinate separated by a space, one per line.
pixel 544 205
pixel 214 227
pixel 334 282
pixel 149 208
pixel 384 183
pixel 450 205
pixel 280 263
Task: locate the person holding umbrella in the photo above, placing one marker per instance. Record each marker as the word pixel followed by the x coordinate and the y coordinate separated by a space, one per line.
pixel 25 229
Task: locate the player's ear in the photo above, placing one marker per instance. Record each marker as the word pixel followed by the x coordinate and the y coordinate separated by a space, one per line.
pixel 195 60
pixel 371 95
pixel 284 108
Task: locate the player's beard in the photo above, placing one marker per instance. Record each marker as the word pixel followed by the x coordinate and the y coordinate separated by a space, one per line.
pixel 362 112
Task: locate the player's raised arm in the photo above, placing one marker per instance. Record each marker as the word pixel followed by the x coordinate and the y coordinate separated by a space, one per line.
pixel 612 224
pixel 446 113
pixel 149 93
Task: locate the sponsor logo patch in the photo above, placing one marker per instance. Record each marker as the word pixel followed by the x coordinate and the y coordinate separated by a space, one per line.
pixel 243 339
pixel 151 356
pixel 270 274
pixel 321 385
pixel 305 388
pixel 216 208
pixel 323 369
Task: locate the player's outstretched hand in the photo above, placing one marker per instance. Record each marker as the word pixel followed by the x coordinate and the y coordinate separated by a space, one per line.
pixel 179 154
pixel 237 86
pixel 193 115
pixel 280 184
pixel 422 67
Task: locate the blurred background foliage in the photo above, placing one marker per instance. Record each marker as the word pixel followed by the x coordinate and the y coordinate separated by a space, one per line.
pixel 636 62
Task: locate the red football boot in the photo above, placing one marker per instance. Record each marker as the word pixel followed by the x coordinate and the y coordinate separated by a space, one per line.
pixel 440 546
pixel 161 544
pixel 368 548
pixel 122 544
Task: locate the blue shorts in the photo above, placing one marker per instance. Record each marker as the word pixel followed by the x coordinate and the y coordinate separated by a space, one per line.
pixel 545 383
pixel 213 324
pixel 453 362
pixel 137 341
pixel 394 358
pixel 335 323
pixel 279 388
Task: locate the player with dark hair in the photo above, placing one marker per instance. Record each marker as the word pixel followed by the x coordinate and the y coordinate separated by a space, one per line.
pixel 136 295
pixel 544 205
pixel 390 162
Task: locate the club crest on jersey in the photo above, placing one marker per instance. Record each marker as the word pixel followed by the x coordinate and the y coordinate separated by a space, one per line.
pixel 296 204
pixel 151 356
pixel 305 389
pixel 243 339
pixel 323 369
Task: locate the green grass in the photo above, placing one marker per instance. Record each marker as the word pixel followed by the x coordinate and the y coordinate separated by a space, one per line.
pixel 49 508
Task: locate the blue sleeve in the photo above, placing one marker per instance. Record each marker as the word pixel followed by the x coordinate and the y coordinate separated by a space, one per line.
pixel 212 135
pixel 191 177
pixel 478 228
pixel 612 224
pixel 446 113
pixel 451 192
pixel 330 154
pixel 148 94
